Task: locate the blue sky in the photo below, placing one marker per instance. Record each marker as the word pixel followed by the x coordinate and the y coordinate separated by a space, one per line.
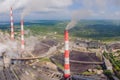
pixel 60 9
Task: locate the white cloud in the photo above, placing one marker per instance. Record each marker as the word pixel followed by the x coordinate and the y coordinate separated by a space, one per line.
pixel 60 7
pixel 35 5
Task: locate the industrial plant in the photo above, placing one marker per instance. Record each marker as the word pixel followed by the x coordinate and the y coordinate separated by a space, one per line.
pixel 67 60
pixel 58 50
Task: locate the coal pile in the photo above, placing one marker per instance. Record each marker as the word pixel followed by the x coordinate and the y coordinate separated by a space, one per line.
pixel 50 42
pixel 83 56
pixel 43 47
pixel 78 56
pixel 40 49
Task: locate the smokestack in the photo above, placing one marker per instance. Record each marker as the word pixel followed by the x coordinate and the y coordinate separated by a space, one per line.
pixel 12 24
pixel 22 35
pixel 66 56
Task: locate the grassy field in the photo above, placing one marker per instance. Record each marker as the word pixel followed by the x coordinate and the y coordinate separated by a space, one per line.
pixel 104 30
pixel 97 30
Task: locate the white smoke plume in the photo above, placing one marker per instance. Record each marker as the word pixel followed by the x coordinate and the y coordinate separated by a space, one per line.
pixel 9 51
pixel 45 6
pixel 30 43
pixel 13 48
pixel 78 15
pixel 28 6
pixel 37 5
pixel 101 7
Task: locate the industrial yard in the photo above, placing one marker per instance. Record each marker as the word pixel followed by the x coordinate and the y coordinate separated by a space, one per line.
pixel 30 65
pixel 43 57
pixel 44 60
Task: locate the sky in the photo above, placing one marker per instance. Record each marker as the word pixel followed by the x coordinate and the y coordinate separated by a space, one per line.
pixel 60 9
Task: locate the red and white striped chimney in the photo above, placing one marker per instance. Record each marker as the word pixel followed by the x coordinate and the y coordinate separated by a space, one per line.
pixel 12 24
pixel 66 55
pixel 22 36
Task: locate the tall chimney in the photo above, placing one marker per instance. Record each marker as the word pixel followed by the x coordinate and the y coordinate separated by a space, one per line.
pixel 66 55
pixel 12 24
pixel 22 35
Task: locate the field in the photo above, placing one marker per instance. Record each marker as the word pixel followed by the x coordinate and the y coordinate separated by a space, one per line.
pixel 104 30
pixel 98 30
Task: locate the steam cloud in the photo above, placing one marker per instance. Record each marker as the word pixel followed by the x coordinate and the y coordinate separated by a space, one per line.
pixel 101 7
pixel 78 15
pixel 13 49
pixel 37 5
pixel 28 6
pixel 10 51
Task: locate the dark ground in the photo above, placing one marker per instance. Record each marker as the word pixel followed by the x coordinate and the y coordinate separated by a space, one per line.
pixel 79 56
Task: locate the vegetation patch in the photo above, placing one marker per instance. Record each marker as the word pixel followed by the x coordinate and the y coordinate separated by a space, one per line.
pixel 88 73
pixel 44 59
pixel 115 63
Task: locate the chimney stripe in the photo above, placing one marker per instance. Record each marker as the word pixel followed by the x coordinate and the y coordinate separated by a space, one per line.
pixel 66 55
pixel 67 61
pixel 66 45
pixel 67 71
